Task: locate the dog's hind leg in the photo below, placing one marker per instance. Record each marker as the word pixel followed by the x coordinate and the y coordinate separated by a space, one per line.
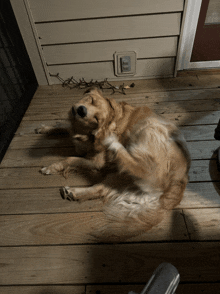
pixel 84 193
pixel 126 162
pixel 174 193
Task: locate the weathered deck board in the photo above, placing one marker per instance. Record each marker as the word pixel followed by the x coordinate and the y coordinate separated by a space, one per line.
pixel 125 263
pixel 201 194
pixel 124 289
pixel 203 224
pixel 77 228
pixel 42 289
pixel 68 95
pixel 206 288
pixel 30 177
pixel 38 141
pixel 48 200
pixel 143 86
pixel 195 118
pixel 204 170
pixel 62 107
pixel 198 133
pixel 23 141
pixel 35 157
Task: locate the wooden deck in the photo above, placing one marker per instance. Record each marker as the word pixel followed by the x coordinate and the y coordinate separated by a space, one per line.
pixel 47 244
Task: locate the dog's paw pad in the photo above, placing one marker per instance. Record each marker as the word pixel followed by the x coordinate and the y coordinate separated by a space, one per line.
pixel 67 194
pixel 45 171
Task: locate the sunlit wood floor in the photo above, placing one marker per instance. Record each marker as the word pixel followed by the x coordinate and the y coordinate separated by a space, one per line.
pixel 47 245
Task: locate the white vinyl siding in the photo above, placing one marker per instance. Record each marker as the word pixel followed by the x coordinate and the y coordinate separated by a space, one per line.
pixel 79 38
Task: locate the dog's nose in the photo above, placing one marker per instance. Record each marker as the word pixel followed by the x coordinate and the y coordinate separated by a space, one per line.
pixel 82 111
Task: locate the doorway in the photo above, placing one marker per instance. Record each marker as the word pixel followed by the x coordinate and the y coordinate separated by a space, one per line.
pixel 200 38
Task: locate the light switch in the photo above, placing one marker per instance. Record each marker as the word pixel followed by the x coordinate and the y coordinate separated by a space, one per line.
pixel 125 63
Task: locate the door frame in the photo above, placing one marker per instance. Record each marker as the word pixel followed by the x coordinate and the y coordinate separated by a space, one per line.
pixel 187 36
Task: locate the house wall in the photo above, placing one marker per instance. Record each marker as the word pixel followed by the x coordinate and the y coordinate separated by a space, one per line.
pixel 79 38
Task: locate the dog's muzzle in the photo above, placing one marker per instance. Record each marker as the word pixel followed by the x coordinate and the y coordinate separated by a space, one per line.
pixel 81 111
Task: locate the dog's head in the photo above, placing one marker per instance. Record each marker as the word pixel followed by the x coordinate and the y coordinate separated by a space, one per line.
pixel 94 112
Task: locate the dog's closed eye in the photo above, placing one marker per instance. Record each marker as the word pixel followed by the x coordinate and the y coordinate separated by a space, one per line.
pixel 94 101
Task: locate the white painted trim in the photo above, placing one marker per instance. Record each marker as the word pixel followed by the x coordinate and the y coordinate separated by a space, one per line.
pixel 39 47
pixel 204 64
pixel 25 23
pixel 189 24
pixel 187 36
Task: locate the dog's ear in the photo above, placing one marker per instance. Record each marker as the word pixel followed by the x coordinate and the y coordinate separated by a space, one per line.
pixel 93 90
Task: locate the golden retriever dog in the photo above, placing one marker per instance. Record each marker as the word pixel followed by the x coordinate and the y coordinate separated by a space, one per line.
pixel 144 158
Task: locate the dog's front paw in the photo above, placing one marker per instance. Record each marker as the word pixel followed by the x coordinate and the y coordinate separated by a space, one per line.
pixel 68 194
pixel 112 142
pixel 53 169
pixel 42 130
pixel 45 171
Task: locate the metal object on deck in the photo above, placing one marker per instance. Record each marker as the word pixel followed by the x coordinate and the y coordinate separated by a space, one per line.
pixel 217 132
pixel 164 280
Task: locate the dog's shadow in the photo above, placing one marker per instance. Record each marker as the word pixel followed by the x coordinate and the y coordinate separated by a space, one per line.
pixel 53 144
pixel 214 170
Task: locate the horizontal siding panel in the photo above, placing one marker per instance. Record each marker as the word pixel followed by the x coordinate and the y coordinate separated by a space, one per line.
pixel 54 10
pixel 109 29
pixel 147 68
pixel 104 51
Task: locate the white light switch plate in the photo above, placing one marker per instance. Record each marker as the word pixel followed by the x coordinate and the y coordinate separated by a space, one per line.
pixel 119 57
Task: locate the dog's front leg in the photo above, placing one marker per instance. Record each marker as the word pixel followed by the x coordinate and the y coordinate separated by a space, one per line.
pixel 84 193
pixel 58 129
pixel 67 164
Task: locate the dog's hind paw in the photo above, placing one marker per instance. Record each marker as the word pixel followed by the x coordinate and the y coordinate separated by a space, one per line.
pixel 112 142
pixel 68 194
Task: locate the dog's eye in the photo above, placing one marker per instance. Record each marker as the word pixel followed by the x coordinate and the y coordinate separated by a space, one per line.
pixel 96 118
pixel 93 101
pixel 89 100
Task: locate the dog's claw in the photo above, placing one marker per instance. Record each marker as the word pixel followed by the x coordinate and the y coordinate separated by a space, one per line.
pixel 66 194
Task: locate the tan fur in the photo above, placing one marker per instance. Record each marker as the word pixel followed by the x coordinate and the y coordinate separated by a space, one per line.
pixel 144 157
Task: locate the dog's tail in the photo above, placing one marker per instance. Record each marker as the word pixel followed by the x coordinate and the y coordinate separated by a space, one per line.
pixel 128 216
